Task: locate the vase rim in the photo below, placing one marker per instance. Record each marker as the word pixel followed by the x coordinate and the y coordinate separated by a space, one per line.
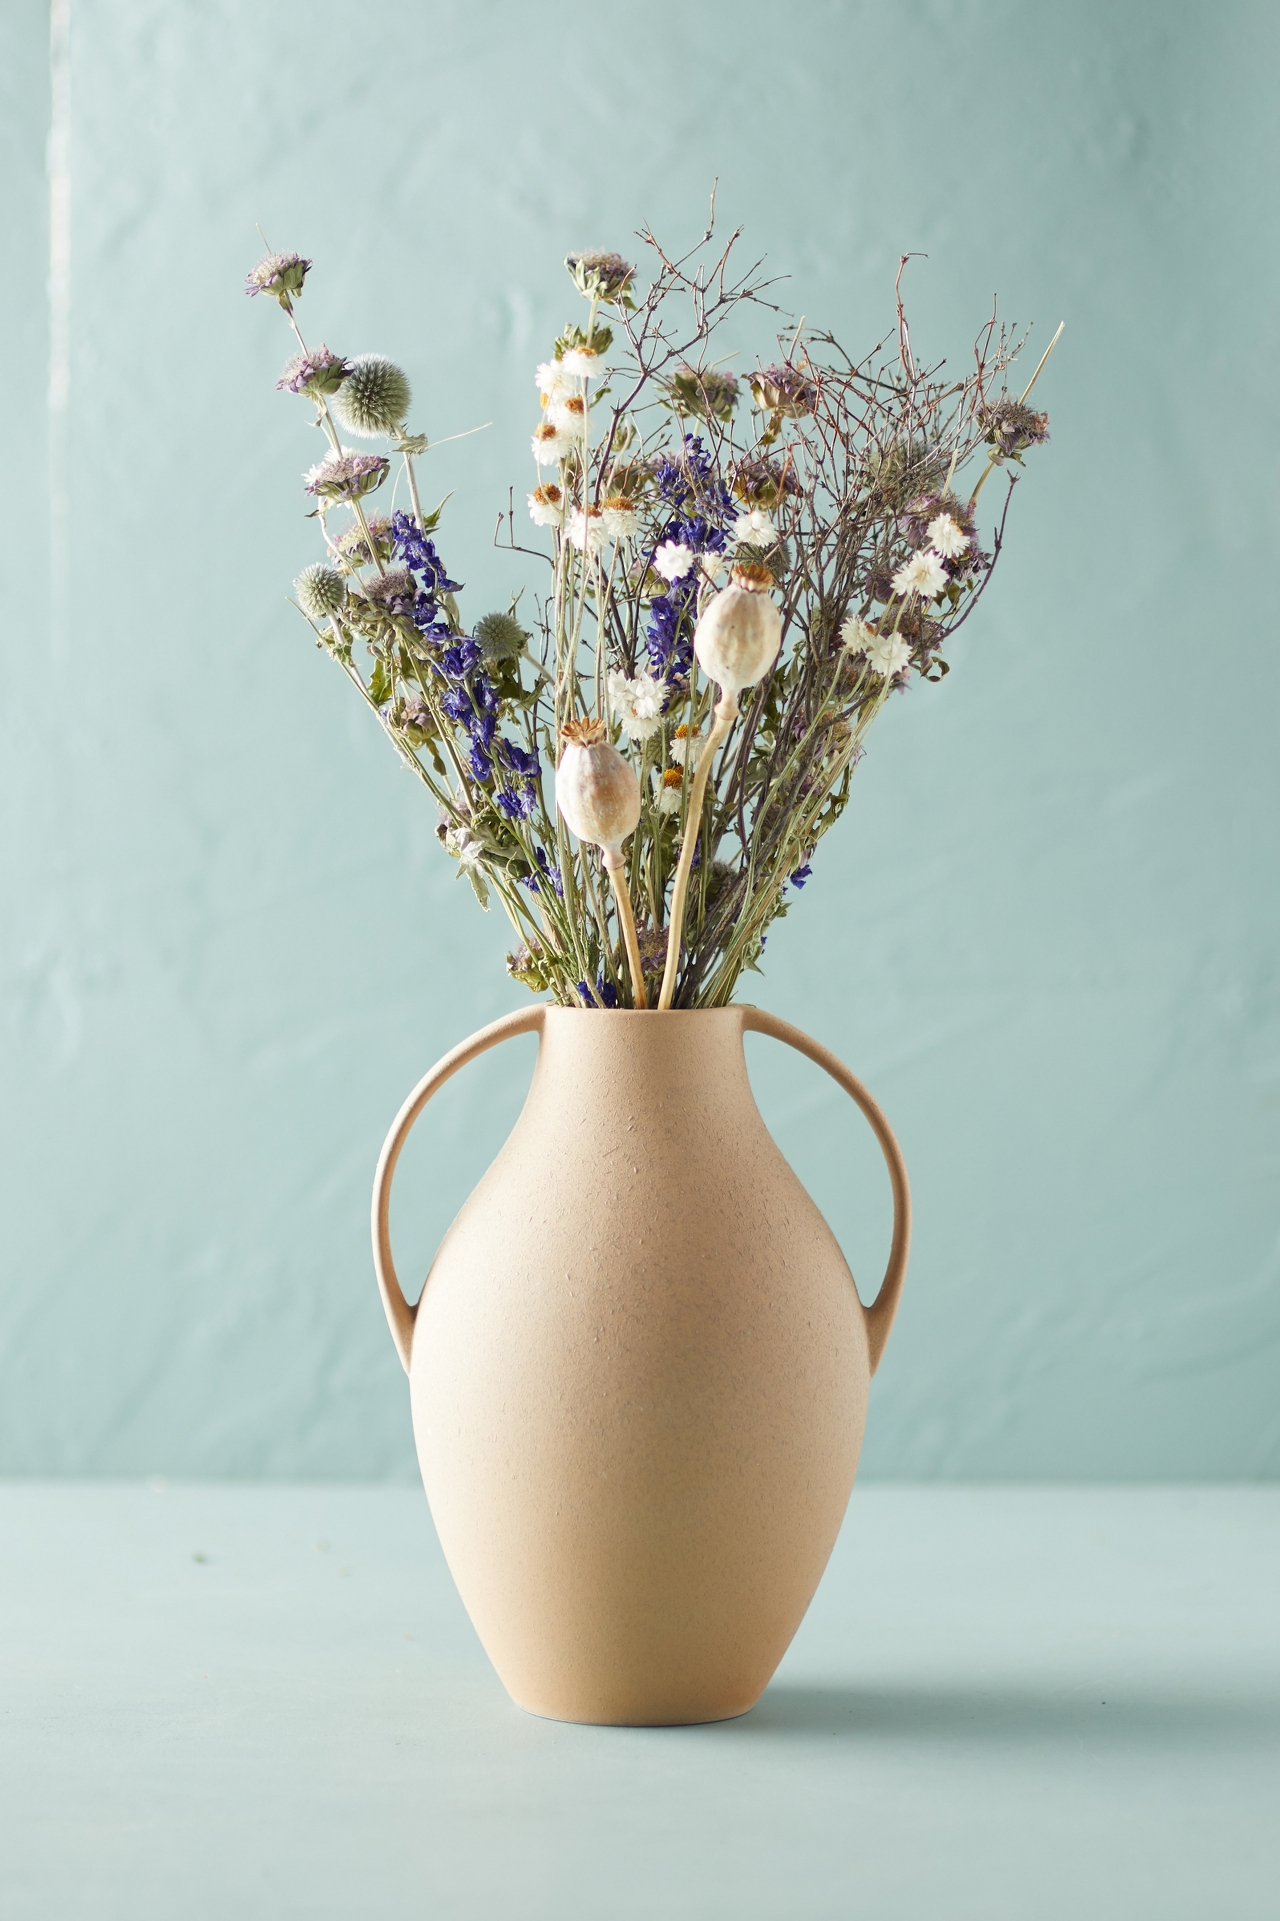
pixel 650 1013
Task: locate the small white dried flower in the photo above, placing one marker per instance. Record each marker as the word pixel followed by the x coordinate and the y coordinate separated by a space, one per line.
pixel 947 537
pixel 636 704
pixel 923 574
pixel 684 746
pixel 585 363
pixel 570 416
pixel 586 531
pixel 597 792
pixel 546 506
pixel 673 560
pixel 888 653
pixel 668 790
pixel 621 521
pixel 550 446
pixel 374 398
pixel 856 634
pixel 755 529
pixel 554 383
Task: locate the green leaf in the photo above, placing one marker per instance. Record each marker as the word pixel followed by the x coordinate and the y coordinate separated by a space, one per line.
pixel 381 683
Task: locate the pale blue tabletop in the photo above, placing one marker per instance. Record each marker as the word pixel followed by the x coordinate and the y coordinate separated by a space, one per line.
pixel 1031 1704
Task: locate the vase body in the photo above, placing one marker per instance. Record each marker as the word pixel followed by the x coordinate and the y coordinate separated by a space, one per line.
pixel 639 1376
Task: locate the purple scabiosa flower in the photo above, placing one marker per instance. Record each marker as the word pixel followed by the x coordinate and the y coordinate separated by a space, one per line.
pixel 351 549
pixel 1010 427
pixel 314 373
pixel 709 392
pixel 601 275
pixel 345 475
pixel 783 390
pixel 395 590
pixel 762 483
pixel 281 275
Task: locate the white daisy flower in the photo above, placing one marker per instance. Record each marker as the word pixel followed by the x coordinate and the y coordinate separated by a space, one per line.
pixel 636 704
pixel 755 529
pixel 668 790
pixel 856 635
pixel 684 746
pixel 673 560
pixel 553 382
pixel 584 363
pixel 586 531
pixel 888 653
pixel 923 574
pixel 621 521
pixel 546 506
pixel 570 416
pixel 549 444
pixel 947 537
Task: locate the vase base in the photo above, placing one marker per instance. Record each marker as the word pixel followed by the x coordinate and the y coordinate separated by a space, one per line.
pixel 666 1717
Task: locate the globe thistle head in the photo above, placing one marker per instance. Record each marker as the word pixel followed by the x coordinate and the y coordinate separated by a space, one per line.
pixel 500 636
pixel 374 398
pixel 314 373
pixel 281 275
pixel 711 393
pixel 321 591
pixel 602 276
pixel 1010 427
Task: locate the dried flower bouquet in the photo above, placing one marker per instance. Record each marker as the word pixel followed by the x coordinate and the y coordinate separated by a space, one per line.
pixel 740 571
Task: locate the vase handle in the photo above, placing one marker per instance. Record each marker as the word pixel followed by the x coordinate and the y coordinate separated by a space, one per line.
pixel 879 1316
pixel 400 1316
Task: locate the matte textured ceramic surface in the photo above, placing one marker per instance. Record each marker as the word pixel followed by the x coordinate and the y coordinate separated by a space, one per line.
pixel 639 1370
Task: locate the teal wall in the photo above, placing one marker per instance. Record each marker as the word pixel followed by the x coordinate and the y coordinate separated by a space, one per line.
pixel 1046 933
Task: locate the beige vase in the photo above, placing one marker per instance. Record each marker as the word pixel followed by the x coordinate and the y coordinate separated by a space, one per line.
pixel 638 1369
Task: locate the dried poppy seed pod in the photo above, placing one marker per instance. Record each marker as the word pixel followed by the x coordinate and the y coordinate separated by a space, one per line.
pixel 596 788
pixel 739 632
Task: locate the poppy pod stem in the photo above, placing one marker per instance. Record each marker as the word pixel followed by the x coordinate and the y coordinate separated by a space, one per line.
pixel 726 713
pixel 616 868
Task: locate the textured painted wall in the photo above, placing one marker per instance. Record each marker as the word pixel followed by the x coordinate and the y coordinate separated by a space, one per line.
pixel 1047 932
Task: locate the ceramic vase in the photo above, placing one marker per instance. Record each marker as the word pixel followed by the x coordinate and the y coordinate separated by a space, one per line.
pixel 638 1368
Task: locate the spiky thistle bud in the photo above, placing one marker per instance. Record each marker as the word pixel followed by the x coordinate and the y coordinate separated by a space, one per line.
pixel 500 636
pixel 374 398
pixel 321 591
pixel 596 787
